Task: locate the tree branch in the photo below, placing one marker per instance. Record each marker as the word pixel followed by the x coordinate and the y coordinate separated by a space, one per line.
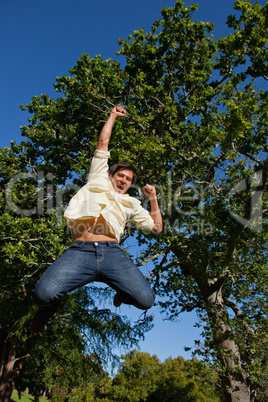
pixel 239 314
pixel 160 270
pixel 150 259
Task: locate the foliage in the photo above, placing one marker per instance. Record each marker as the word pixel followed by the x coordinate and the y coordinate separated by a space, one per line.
pixel 142 377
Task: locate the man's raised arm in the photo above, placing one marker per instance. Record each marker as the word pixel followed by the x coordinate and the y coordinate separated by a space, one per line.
pixel 150 191
pixel 104 138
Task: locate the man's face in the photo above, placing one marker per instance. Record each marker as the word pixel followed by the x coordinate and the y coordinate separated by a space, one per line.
pixel 122 180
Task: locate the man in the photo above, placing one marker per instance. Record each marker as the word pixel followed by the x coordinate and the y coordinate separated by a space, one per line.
pixel 97 216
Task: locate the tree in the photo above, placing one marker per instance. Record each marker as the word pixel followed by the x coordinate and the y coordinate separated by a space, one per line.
pixel 203 103
pixel 136 379
pixel 60 369
pixel 185 381
pixel 142 377
pixel 196 127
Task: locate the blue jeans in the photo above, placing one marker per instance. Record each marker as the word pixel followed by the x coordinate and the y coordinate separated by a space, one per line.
pixel 85 262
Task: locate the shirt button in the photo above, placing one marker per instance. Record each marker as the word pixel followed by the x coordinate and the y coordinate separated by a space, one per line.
pixel 96 244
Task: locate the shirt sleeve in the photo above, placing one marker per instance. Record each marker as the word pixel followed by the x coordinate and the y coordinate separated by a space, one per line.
pixel 98 177
pixel 142 219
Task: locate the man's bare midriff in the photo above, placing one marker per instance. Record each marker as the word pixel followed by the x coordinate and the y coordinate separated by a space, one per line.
pixel 94 229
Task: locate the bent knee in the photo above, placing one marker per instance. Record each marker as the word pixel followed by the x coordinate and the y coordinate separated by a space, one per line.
pixel 44 293
pixel 146 300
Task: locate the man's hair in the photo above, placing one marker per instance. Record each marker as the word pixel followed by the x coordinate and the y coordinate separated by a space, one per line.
pixel 123 165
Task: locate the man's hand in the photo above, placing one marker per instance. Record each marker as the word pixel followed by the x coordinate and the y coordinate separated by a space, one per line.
pixel 118 111
pixel 150 191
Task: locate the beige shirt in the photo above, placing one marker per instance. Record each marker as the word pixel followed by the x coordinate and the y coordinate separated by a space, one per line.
pixel 98 197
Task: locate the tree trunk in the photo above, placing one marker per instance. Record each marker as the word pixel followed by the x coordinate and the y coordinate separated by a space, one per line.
pixel 7 380
pixel 233 378
pixel 11 371
pixel 3 355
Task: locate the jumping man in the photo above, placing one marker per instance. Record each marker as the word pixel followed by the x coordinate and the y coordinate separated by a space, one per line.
pixel 97 216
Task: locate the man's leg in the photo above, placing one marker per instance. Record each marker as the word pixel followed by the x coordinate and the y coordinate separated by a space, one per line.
pixel 75 268
pixel 119 272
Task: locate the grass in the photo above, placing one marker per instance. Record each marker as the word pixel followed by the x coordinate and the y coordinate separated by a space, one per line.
pixel 24 397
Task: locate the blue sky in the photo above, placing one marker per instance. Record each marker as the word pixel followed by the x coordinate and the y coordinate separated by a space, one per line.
pixel 43 40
